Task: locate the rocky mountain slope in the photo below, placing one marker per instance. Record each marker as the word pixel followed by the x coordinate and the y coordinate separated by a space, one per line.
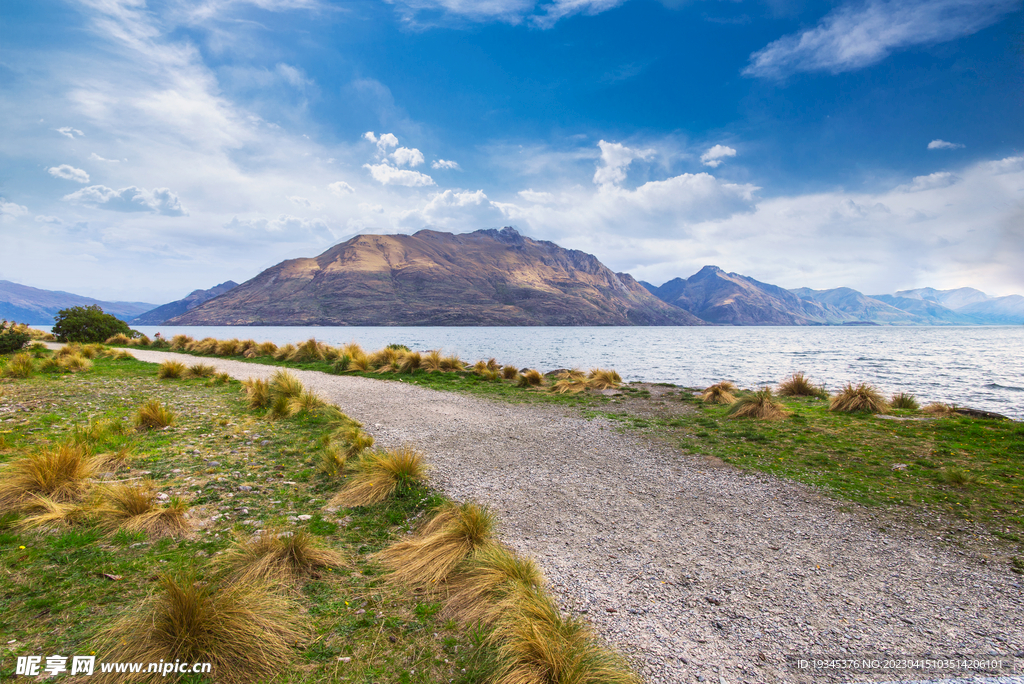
pixel 162 313
pixel 487 277
pixel 33 306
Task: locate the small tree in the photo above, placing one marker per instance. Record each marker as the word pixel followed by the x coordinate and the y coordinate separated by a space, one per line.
pixel 88 324
pixel 11 337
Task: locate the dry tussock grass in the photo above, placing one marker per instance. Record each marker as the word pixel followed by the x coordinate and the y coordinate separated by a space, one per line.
pixel 305 402
pixel 246 630
pixel 531 378
pixel 308 351
pixel 456 531
pixel 228 348
pixel 118 339
pixel 483 589
pixel 798 385
pixel 904 400
pixel 940 410
pixel 276 555
pixel 45 512
pixel 379 474
pixel 284 353
pixel 600 378
pixel 180 342
pixel 410 362
pixel 170 370
pixel 510 373
pixel 266 349
pixel 60 474
pixel 152 415
pixel 284 384
pixel 257 392
pixel 760 404
pixel 20 366
pixel 862 398
pixel 134 508
pixel 201 370
pixel 720 393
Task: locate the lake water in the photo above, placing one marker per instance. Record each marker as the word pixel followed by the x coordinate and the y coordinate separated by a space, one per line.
pixel 980 367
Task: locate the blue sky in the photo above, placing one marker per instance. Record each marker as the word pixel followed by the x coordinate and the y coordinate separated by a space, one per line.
pixel 150 148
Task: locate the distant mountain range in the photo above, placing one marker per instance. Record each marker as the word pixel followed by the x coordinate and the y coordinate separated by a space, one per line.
pixel 162 313
pixel 33 306
pixel 499 277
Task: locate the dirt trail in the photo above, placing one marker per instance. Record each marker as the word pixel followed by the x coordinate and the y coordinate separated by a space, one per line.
pixel 699 573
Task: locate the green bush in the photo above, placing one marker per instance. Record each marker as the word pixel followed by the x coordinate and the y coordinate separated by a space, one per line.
pixel 88 324
pixel 11 339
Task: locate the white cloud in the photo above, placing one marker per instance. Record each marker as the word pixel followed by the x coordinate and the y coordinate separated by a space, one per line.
pixel 615 159
pixel 444 164
pixel 293 226
pixel 341 188
pixel 943 145
pixel 544 14
pixel 96 157
pixel 559 9
pixel 304 202
pixel 385 142
pixel 371 208
pixel 942 179
pixel 537 197
pixel 131 199
pixel 385 174
pixel 405 156
pixel 69 132
pixel 10 210
pixel 49 219
pixel 713 156
pixel 859 34
pixel 454 210
pixel 68 172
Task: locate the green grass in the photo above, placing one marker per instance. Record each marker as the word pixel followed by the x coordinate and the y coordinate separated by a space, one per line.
pixel 63 587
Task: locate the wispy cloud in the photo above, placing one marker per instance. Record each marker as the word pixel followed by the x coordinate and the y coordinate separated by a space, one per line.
pixel 943 145
pixel 11 210
pixel 856 35
pixel 444 164
pixel 385 174
pixel 157 201
pixel 69 132
pixel 68 172
pixel 544 14
pixel 714 156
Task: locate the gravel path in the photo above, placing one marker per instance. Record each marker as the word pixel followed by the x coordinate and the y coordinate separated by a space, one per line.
pixel 699 573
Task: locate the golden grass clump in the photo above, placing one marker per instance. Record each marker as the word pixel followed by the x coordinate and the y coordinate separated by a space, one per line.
pixel 266 349
pixel 276 555
pixel 91 351
pixel 246 630
pixel 720 393
pixel 531 378
pixel 332 460
pixel 379 474
pixel 119 339
pixel 484 587
pixel 798 385
pixel 45 512
pixel 455 532
pixel 142 341
pixel 431 361
pixel 180 342
pixel 134 508
pixel 119 355
pixel 308 351
pixel 569 381
pixel 385 360
pixel 280 407
pixel 20 366
pixel 284 353
pixel 228 348
pixel 760 404
pixel 904 400
pixel 285 384
pixel 60 473
pixel 537 645
pixel 862 398
pixel 599 378
pixel 355 441
pixel 245 345
pixel 170 370
pixel 452 363
pixel 305 402
pixel 152 415
pixel 939 410
pixel 207 345
pixel 510 372
pixel 410 363
pixel 75 363
pixel 201 370
pixel 257 392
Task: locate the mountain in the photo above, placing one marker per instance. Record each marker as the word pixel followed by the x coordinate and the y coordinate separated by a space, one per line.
pixel 951 299
pixel 732 299
pixel 927 311
pixel 1008 310
pixel 162 313
pixel 487 277
pixel 38 307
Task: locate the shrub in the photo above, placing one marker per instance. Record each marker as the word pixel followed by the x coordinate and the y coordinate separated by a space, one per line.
pixel 134 508
pixel 60 474
pixel 958 477
pixel 481 589
pixel 456 531
pixel 245 629
pixel 719 393
pixel 153 414
pixel 903 400
pixel 599 378
pixel 20 366
pixel 531 378
pixel 170 370
pixel 201 370
pixel 760 404
pixel 275 554
pixel 862 398
pixel 510 373
pixel 12 338
pixel 341 364
pixel 797 385
pixel 181 342
pixel 536 645
pixel 88 324
pixel 380 474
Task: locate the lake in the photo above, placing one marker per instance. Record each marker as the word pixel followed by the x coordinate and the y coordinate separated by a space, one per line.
pixel 980 367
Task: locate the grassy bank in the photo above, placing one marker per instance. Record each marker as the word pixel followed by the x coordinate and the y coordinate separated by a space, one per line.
pixel 236 469
pixel 959 476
